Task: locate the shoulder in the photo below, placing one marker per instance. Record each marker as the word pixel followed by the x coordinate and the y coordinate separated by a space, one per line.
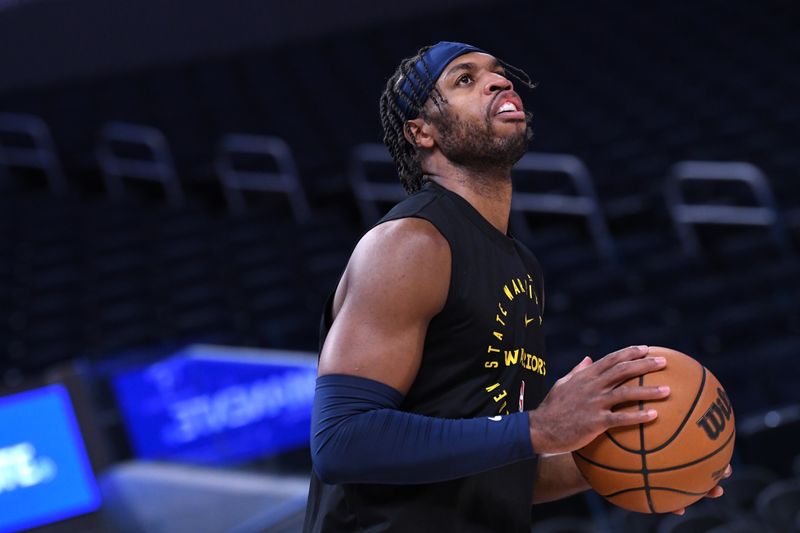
pixel 409 234
pixel 401 259
pixel 403 246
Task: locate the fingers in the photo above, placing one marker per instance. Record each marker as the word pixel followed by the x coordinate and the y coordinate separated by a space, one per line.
pixel 625 370
pixel 585 362
pixel 716 492
pixel 728 472
pixel 632 418
pixel 635 394
pixel 626 354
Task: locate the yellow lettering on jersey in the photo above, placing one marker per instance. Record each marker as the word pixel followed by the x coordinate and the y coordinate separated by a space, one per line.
pixel 491 364
pixel 498 335
pixel 533 294
pixel 502 311
pixel 508 293
pixel 517 288
pixel 511 357
pixel 490 388
pixel 498 319
pixel 500 396
pixel 491 349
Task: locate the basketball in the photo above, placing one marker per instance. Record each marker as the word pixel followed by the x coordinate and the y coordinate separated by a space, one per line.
pixel 674 460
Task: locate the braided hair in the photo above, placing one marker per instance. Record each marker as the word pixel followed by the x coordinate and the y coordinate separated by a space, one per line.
pixel 393 117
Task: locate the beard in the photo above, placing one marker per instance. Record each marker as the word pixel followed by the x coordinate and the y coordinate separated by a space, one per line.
pixel 476 145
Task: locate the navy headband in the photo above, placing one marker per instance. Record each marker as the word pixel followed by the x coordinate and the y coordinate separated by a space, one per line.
pixel 420 82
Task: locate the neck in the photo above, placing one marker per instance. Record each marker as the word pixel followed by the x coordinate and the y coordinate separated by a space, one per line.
pixel 488 192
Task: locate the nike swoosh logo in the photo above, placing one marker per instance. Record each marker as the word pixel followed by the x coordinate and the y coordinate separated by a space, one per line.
pixel 528 320
pixel 497 418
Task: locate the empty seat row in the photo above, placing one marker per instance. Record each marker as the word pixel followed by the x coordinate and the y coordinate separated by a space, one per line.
pixel 136 151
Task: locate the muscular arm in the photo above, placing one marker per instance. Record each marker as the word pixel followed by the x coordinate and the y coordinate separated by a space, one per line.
pixel 396 281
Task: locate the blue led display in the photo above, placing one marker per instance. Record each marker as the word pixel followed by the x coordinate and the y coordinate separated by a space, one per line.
pixel 45 474
pixel 218 405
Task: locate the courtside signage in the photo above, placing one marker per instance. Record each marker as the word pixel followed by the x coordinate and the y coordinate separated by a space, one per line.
pixel 218 405
pixel 45 474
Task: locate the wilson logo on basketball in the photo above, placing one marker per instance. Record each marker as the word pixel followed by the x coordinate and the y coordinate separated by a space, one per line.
pixel 716 416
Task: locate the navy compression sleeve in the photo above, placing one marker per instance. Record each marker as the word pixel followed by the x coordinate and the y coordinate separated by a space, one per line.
pixel 359 435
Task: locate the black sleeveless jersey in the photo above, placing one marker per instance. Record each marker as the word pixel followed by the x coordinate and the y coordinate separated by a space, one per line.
pixel 483 356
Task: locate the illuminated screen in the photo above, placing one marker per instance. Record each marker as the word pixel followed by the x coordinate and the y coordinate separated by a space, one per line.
pixel 45 474
pixel 218 405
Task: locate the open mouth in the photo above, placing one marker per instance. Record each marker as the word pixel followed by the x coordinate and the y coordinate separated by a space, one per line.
pixel 510 108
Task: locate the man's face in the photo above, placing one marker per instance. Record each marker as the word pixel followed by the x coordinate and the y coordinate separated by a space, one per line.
pixel 482 124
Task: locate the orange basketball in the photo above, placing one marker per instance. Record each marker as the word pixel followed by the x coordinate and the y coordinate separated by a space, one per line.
pixel 677 458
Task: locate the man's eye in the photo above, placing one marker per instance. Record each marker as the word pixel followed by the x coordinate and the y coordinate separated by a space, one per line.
pixel 466 78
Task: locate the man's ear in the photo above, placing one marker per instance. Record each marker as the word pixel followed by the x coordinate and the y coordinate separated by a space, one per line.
pixel 418 133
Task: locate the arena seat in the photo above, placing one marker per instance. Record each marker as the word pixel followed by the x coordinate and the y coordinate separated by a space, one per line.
pixel 374 181
pixel 127 150
pixel 687 215
pixel 235 180
pixel 25 142
pixel 582 203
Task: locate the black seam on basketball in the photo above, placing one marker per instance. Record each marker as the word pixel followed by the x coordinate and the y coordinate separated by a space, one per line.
pixel 612 468
pixel 700 460
pixel 643 452
pixel 623 491
pixel 679 491
pixel 668 489
pixel 659 470
pixel 621 446
pixel 688 414
pixel 655 470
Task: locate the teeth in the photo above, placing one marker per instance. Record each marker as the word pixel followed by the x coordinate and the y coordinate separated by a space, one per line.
pixel 508 106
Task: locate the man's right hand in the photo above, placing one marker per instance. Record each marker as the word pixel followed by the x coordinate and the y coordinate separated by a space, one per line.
pixel 579 407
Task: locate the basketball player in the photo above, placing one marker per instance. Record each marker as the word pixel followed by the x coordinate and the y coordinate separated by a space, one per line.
pixel 431 412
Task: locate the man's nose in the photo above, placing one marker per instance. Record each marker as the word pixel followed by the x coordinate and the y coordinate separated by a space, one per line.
pixel 496 83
